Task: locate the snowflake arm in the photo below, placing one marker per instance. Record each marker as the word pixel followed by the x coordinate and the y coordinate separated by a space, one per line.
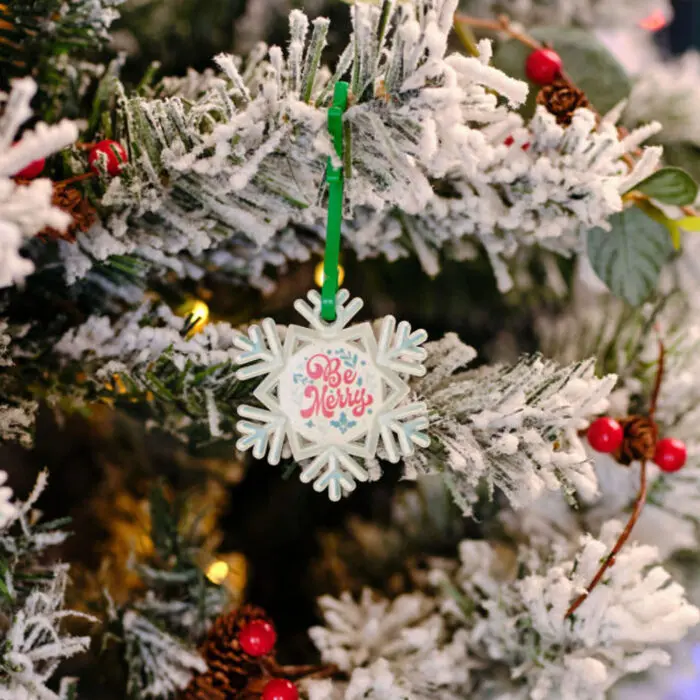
pixel 266 434
pixel 345 311
pixel 408 432
pixel 401 352
pixel 261 357
pixel 335 470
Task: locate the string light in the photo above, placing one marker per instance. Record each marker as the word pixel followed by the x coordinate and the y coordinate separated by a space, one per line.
pixel 218 571
pixel 229 570
pixel 197 312
pixel 319 276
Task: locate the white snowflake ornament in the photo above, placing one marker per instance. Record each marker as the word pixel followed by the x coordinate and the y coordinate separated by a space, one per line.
pixel 332 392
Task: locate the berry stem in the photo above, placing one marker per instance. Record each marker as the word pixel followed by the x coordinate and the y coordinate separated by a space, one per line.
pixel 271 667
pixel 502 24
pixel 622 539
pixel 73 180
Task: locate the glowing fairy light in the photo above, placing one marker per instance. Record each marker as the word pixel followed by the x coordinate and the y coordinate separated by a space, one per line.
pixel 218 571
pixel 197 312
pixel 319 276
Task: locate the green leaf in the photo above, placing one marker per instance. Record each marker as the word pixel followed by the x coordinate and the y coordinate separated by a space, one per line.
pixel 683 155
pixel 669 186
pixel 629 257
pixel 589 64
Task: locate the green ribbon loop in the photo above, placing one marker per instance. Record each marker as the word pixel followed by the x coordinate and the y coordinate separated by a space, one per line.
pixel 334 178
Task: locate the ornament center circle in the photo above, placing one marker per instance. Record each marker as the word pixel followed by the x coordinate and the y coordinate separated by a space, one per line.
pixel 331 392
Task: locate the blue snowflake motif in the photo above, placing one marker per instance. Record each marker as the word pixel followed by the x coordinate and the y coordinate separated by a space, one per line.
pixel 300 378
pixel 343 424
pixel 349 358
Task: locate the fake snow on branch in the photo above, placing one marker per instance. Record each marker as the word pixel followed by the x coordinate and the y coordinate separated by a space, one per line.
pixel 618 630
pixel 390 649
pixel 192 380
pixel 513 428
pixel 159 664
pixel 35 646
pixel 426 165
pixel 25 208
pixel 32 601
pixel 496 627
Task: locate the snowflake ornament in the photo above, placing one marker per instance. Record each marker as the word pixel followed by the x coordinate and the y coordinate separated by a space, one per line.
pixel 333 393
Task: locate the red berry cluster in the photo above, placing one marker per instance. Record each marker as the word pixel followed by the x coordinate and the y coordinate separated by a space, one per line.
pixel 543 66
pixel 258 638
pixel 606 435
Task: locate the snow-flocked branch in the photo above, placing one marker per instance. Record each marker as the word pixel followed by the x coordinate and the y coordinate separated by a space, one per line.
pixel 35 646
pixel 159 665
pixel 496 626
pixel 32 600
pixel 242 160
pixel 511 427
pixel 25 208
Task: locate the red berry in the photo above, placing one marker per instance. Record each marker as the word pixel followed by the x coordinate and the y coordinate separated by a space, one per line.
pixel 257 638
pixel 670 454
pixel 111 154
pixel 34 169
pixel 280 689
pixel 543 66
pixel 605 434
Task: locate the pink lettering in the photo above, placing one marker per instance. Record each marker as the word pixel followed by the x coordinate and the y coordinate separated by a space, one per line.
pixel 333 389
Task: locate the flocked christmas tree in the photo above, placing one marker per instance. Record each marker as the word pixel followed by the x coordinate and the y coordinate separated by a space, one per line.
pixel 513 518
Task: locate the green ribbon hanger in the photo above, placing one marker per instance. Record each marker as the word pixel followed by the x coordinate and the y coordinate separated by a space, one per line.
pixel 334 178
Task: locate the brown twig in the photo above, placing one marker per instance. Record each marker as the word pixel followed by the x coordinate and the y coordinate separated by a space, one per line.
pixel 622 539
pixel 76 178
pixel 272 668
pixel 641 496
pixel 502 24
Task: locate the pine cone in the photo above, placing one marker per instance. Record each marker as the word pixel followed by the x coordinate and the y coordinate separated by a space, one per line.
pixel 639 442
pixel 72 202
pixel 562 99
pixel 230 668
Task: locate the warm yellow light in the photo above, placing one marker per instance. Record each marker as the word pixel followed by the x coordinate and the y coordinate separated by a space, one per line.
pixel 217 572
pixel 197 311
pixel 319 276
pixel 200 312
